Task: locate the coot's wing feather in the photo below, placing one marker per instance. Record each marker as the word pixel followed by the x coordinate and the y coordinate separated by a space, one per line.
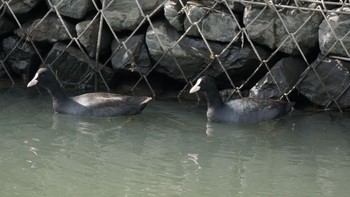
pixel 254 104
pixel 255 110
pixel 107 104
pixel 100 99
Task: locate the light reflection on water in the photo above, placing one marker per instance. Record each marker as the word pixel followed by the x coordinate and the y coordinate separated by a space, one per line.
pixel 168 150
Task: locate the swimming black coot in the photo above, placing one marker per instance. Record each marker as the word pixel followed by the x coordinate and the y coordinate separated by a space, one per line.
pixel 244 110
pixel 91 104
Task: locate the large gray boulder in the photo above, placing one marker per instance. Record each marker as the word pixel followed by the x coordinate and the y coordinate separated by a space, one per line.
pixel 266 28
pixel 51 29
pixel 22 6
pixel 219 21
pixel 133 57
pixel 216 25
pixel 339 24
pixel 22 57
pixel 189 53
pixel 232 4
pixel 73 68
pixel 172 12
pixel 286 73
pixel 335 75
pixel 192 55
pixel 125 14
pixel 87 32
pixel 72 8
pixel 220 4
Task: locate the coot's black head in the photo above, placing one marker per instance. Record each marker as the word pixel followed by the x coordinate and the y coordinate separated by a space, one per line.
pixel 43 77
pixel 205 84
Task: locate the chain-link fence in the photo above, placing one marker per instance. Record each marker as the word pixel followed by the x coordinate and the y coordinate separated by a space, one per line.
pixel 266 48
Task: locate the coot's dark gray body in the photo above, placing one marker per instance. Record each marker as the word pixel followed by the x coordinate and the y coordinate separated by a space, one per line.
pixel 91 104
pixel 244 110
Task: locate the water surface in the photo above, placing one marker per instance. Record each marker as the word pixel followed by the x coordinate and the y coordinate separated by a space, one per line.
pixel 168 150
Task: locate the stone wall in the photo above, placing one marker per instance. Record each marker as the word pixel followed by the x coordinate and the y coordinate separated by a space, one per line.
pixel 266 50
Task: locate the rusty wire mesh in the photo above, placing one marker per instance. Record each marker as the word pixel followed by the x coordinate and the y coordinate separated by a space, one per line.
pixel 95 63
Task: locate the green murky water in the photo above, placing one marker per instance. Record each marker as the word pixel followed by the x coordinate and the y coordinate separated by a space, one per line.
pixel 168 150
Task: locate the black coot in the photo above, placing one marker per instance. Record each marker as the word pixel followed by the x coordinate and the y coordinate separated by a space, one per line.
pixel 90 104
pixel 244 110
